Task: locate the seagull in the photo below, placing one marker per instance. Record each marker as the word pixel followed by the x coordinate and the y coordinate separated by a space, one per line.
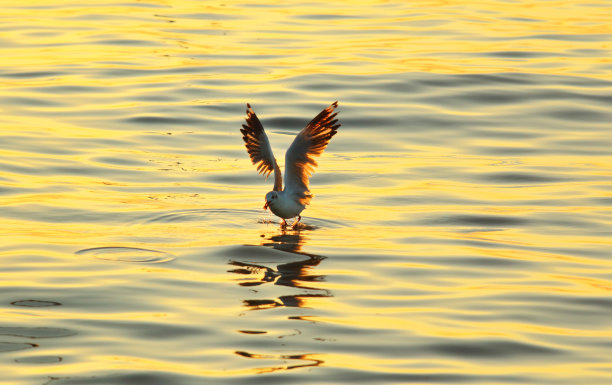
pixel 290 201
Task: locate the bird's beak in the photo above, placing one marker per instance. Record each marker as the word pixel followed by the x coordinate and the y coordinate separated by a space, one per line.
pixel 266 205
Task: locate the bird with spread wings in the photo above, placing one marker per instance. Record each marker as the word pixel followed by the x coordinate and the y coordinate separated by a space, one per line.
pixel 290 201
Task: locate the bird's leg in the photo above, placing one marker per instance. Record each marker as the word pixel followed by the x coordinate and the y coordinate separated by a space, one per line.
pixel 295 224
pixel 283 223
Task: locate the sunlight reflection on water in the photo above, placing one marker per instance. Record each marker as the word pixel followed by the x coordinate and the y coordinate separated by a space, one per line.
pixel 460 230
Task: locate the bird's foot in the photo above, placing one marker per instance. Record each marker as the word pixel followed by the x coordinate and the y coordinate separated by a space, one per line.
pixel 295 224
pixel 283 223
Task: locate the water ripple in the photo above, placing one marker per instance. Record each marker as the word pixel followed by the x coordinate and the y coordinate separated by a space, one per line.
pixel 491 350
pixel 35 303
pixel 127 254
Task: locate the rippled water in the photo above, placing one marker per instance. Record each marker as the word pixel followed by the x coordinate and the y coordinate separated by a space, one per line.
pixel 461 226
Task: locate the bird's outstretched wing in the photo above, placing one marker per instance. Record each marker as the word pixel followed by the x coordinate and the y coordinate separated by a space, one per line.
pixel 258 147
pixel 310 142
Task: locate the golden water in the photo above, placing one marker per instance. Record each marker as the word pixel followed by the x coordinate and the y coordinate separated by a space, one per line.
pixel 461 226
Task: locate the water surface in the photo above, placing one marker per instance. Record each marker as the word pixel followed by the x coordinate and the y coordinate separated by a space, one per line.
pixel 461 226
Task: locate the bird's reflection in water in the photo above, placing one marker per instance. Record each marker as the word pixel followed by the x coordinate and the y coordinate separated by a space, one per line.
pixel 310 361
pixel 296 274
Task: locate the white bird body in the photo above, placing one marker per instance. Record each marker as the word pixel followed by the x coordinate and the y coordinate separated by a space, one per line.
pixel 284 205
pixel 290 201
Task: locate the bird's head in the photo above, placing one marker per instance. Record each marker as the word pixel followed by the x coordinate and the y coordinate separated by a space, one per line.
pixel 270 199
